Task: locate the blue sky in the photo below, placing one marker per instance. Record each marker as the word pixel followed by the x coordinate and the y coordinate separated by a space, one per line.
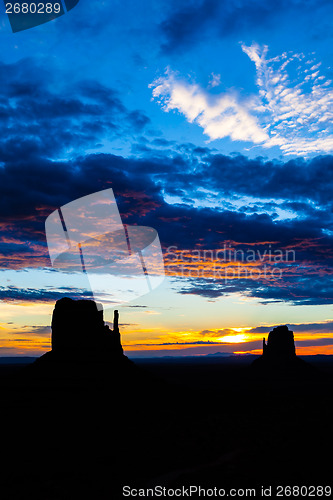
pixel 212 46
pixel 211 121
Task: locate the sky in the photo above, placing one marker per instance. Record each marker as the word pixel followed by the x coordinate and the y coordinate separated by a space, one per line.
pixel 211 121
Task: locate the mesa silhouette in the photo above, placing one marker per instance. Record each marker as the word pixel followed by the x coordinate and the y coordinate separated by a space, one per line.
pixel 78 326
pixel 279 354
pixel 83 346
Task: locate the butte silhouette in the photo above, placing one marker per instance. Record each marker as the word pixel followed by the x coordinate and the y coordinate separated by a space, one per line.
pixel 82 344
pixel 279 354
pixel 78 326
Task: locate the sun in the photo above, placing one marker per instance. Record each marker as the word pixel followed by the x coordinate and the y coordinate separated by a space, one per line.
pixel 233 339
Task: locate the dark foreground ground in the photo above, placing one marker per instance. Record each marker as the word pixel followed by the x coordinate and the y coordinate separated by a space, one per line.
pixel 85 430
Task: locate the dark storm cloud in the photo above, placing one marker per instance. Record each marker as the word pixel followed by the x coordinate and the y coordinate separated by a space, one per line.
pixel 14 294
pixel 139 185
pixel 42 120
pixel 34 329
pixel 296 180
pixel 138 120
pixel 298 290
pixel 314 342
pixel 183 26
pixel 41 123
pixel 192 20
pixel 199 342
pixel 40 329
pixel 204 290
pixel 325 327
pixel 301 290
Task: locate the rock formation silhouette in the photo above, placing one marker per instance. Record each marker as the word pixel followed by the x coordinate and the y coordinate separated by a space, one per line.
pixel 280 345
pixel 82 344
pixel 78 326
pixel 279 353
pixel 86 388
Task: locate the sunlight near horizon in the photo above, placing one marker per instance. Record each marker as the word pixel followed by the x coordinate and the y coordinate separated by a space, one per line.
pixel 233 339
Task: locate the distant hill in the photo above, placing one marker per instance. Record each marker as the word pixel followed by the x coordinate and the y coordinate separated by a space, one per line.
pixel 317 358
pixel 17 360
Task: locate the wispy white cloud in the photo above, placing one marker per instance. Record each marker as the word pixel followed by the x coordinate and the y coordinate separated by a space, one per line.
pixel 292 112
pixel 298 111
pixel 219 116
pixel 215 80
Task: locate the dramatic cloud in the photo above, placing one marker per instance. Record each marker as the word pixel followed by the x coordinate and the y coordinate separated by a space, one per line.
pixel 279 287
pixel 141 186
pixel 302 187
pixel 324 327
pixel 15 294
pixel 294 114
pixel 195 198
pixel 63 118
pixel 191 21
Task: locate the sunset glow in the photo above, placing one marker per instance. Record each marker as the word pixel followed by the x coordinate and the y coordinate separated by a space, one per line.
pixel 219 141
